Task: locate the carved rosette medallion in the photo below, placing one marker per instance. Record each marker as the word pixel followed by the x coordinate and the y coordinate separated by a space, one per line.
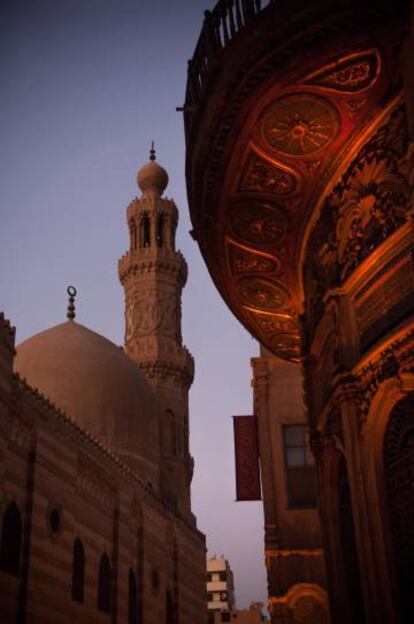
pixel 258 224
pixel 263 177
pixel 242 260
pixel 300 124
pixel 261 294
pixel 350 74
pixel 287 346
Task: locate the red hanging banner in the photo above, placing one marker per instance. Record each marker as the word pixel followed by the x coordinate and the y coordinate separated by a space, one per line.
pixel 247 458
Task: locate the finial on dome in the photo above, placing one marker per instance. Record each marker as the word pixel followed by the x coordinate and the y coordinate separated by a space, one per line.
pixel 71 290
pixel 152 151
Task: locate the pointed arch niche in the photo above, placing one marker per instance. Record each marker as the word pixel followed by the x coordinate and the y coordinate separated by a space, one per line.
pixel 381 437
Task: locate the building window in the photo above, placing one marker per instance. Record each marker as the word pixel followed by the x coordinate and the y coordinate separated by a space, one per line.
pixel 78 571
pixel 225 616
pixel 145 231
pixel 223 576
pixel 11 540
pixel 54 521
pixel 300 468
pixel 160 231
pixel 104 585
pixel 169 608
pixel 132 599
pixel 209 597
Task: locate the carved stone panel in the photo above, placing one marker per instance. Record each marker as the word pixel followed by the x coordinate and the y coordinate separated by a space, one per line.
pixel 300 124
pixel 262 224
pixel 350 74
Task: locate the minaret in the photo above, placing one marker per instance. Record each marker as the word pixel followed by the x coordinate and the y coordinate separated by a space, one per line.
pixel 153 274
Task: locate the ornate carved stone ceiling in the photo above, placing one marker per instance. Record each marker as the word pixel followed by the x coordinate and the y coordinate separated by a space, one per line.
pixel 291 150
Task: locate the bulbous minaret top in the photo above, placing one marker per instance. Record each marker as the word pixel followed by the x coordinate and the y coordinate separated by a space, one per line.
pixel 152 179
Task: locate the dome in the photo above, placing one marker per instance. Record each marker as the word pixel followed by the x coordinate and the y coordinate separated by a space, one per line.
pixel 152 179
pixel 99 387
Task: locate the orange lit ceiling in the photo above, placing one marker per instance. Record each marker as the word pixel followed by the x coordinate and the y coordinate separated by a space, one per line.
pixel 285 150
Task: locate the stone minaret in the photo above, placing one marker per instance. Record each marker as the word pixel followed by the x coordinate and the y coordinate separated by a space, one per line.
pixel 153 274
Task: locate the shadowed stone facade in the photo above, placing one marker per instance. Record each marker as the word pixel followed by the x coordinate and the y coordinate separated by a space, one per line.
pixel 95 471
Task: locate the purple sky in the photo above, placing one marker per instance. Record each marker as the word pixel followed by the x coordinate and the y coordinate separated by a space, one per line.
pixel 85 86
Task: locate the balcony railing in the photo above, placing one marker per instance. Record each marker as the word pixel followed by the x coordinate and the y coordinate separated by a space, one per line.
pixel 220 26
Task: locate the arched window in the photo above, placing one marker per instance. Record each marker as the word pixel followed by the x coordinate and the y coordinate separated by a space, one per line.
pixel 11 540
pixel 398 466
pixel 160 231
pixel 104 585
pixel 78 571
pixel 172 233
pixel 145 231
pixel 133 234
pixel 169 608
pixel 132 599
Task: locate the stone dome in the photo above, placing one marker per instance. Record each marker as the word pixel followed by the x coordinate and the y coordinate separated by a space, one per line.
pixel 152 179
pixel 98 386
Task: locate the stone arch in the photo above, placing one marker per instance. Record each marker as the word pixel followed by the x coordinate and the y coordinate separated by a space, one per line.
pixel 398 457
pixel 308 604
pixel 388 395
pixel 343 566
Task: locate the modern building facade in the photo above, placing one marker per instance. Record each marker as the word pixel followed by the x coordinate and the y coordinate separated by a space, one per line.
pixel 95 469
pixel 220 586
pixel 293 541
pixel 299 123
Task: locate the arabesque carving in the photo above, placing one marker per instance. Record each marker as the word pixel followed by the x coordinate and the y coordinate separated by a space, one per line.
pixel 369 203
pixel 266 178
pixel 261 294
pixel 243 260
pixel 350 74
pixel 265 226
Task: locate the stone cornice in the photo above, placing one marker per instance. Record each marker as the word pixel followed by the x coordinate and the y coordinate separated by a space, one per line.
pixel 171 263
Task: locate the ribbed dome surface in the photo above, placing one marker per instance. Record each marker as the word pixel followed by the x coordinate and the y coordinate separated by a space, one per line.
pixel 97 385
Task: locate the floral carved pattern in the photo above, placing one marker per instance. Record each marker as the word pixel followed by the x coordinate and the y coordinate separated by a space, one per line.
pixel 300 124
pixel 350 74
pixel 265 178
pixel 368 204
pixel 261 294
pixel 261 225
pixel 244 261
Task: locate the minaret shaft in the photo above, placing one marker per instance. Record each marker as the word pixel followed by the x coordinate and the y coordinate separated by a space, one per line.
pixel 153 275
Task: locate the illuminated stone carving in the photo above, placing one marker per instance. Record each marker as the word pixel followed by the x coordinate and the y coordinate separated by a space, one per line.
pixel 261 294
pixel 368 204
pixel 244 261
pixel 286 346
pixel 262 176
pixel 351 74
pixel 300 124
pixel 263 225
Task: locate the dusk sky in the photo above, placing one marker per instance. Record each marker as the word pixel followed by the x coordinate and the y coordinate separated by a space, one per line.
pixel 85 86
